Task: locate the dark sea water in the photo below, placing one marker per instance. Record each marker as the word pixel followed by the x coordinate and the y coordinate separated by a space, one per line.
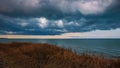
pixel 108 47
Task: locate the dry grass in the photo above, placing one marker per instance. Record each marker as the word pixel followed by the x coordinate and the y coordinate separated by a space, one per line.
pixel 29 55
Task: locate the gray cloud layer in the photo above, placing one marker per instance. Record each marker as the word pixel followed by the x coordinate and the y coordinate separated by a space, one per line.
pixel 52 17
pixel 54 8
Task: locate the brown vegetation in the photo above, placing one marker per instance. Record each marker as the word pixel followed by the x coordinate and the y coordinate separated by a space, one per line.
pixel 29 55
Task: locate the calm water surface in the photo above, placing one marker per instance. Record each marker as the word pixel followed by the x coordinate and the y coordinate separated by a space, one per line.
pixel 109 47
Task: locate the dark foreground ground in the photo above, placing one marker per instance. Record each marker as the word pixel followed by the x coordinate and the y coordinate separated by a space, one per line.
pixel 29 55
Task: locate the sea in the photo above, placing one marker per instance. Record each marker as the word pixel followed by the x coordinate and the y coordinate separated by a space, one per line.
pixel 106 47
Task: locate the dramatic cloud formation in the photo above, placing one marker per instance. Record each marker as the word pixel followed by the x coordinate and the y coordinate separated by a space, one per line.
pixel 55 17
pixel 53 7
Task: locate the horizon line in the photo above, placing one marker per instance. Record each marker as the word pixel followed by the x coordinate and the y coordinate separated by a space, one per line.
pixel 51 37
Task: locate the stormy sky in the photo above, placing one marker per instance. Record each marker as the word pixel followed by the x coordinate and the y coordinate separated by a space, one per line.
pixel 56 17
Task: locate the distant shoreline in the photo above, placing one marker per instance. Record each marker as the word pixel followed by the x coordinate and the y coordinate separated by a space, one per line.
pixel 63 38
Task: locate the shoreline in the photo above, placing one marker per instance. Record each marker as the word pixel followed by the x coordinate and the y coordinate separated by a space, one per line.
pixel 35 55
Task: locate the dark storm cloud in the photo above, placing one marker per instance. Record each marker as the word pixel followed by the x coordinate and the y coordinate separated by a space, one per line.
pixel 54 8
pixel 53 17
pixel 44 26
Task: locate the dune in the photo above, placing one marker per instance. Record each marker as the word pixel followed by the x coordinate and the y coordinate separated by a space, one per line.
pixel 31 55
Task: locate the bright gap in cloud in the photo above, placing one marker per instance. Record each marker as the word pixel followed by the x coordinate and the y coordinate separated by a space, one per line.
pixel 60 23
pixel 43 22
pixel 97 34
